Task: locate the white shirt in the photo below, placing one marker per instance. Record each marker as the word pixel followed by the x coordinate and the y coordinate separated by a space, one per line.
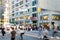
pixel 45 31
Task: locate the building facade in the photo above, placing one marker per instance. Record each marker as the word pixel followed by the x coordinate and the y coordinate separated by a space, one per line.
pixel 34 12
pixel 50 12
pixel 1 13
pixel 24 12
pixel 6 12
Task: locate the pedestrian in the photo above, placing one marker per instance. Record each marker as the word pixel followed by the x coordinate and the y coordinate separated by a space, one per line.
pixel 45 37
pixel 13 34
pixel 54 32
pixel 3 32
pixel 40 29
pixel 21 34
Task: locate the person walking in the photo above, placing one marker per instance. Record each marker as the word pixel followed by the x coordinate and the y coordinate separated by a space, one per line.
pixel 40 29
pixel 45 35
pixel 54 31
pixel 3 32
pixel 21 34
pixel 13 34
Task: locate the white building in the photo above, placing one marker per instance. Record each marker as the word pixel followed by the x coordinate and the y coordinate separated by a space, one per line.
pixel 25 12
pixel 50 11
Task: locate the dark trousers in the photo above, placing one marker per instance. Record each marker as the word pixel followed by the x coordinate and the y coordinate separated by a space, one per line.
pixel 2 34
pixel 21 35
pixel 12 38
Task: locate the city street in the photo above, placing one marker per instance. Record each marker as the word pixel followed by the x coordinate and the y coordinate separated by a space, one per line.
pixel 38 19
pixel 25 37
pixel 29 35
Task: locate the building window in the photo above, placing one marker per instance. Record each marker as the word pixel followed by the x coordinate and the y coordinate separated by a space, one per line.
pixel 12 20
pixel 12 6
pixel 21 7
pixel 34 2
pixel 21 2
pixel 12 14
pixel 44 17
pixel 21 17
pixel 13 11
pixel 34 9
pixel 12 2
pixel 26 5
pixel 27 10
pixel 17 9
pixel 16 4
pixel 16 19
pixel 27 17
pixel 17 13
pixel 34 15
pixel 21 12
pixel 26 0
pixel 56 17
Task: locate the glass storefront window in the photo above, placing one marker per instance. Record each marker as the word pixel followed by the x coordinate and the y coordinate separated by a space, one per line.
pixel 43 17
pixel 56 17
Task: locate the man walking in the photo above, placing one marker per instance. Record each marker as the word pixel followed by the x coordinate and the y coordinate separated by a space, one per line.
pixel 13 34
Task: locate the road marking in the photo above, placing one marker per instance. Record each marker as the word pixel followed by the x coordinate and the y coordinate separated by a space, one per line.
pixel 32 35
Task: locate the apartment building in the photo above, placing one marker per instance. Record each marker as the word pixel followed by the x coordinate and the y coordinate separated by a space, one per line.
pixel 24 12
pixel 34 12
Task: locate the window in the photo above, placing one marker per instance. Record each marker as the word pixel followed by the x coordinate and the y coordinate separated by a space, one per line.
pixel 16 18
pixel 26 0
pixel 44 17
pixel 27 10
pixel 21 2
pixel 21 7
pixel 34 9
pixel 16 4
pixel 12 2
pixel 21 17
pixel 12 6
pixel 27 17
pixel 17 9
pixel 34 2
pixel 34 15
pixel 13 11
pixel 17 13
pixel 12 19
pixel 12 14
pixel 26 5
pixel 56 17
pixel 21 12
